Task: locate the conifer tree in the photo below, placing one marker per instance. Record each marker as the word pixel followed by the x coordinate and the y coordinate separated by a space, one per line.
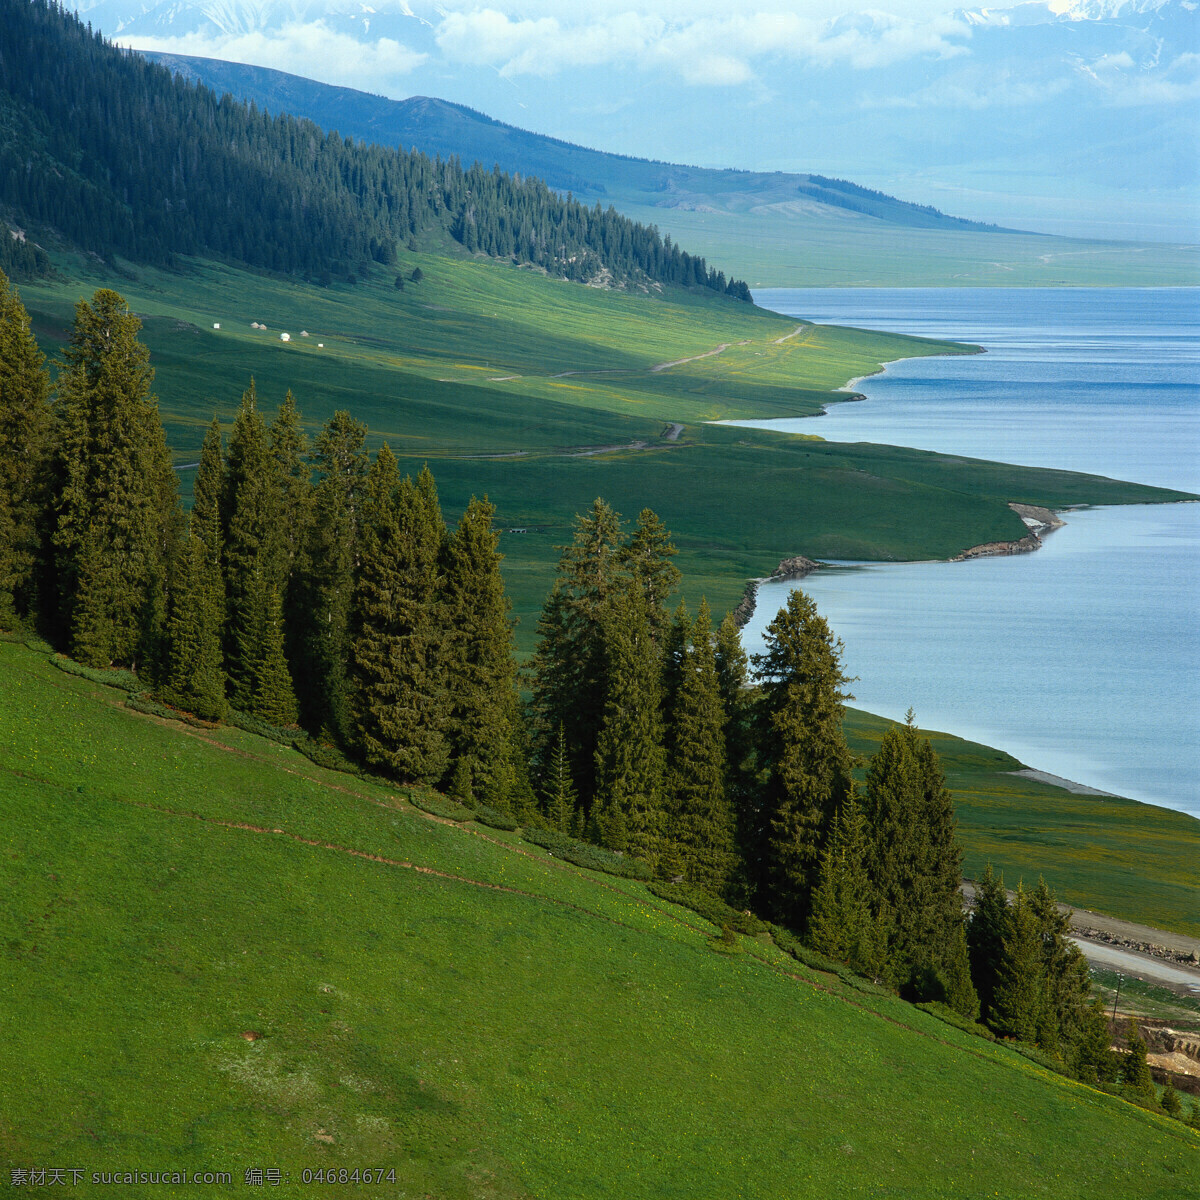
pixel 985 937
pixel 25 434
pixel 958 989
pixel 941 860
pixel 251 541
pixel 1066 981
pixel 733 675
pixel 117 510
pixel 397 706
pixel 1170 1102
pixel 1135 1070
pixel 1094 1061
pixel 915 862
pixel 272 698
pixel 842 925
pixel 808 762
pixel 647 557
pixel 629 749
pixel 289 447
pixel 559 801
pixel 674 655
pixel 699 816
pixel 194 667
pixel 327 583
pixel 479 670
pixel 205 521
pixel 569 686
pixel 1018 998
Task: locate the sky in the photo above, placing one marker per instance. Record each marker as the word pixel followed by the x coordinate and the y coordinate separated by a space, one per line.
pixel 1068 116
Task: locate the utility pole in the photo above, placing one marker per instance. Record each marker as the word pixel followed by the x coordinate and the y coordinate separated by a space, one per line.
pixel 1117 997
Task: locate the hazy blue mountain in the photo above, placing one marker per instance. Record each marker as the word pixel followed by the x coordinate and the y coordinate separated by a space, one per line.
pixel 1067 116
pixel 439 127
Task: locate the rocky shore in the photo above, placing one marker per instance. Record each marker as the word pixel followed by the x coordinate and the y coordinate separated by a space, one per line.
pixel 795 567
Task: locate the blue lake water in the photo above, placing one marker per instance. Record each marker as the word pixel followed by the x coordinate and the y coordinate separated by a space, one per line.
pixel 1084 658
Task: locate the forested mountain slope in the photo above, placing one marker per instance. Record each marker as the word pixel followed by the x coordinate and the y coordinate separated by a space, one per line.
pixel 440 127
pixel 118 157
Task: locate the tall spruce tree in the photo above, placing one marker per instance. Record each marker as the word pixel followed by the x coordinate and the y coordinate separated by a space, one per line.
pixel 915 862
pixel 272 698
pixel 1094 1061
pixel 397 706
pixel 1018 999
pixel 293 487
pixel 985 937
pixel 1066 980
pixel 250 528
pixel 958 989
pixel 209 487
pixel 808 763
pixel 327 583
pixel 559 802
pixel 700 821
pixel 568 667
pixel 117 506
pixel 25 445
pixel 628 812
pixel 843 924
pixel 733 677
pixel 194 666
pixel 647 557
pixel 479 670
pixel 1135 1069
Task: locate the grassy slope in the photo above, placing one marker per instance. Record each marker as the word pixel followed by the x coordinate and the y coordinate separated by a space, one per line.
pixel 552 1034
pixel 428 369
pixel 779 249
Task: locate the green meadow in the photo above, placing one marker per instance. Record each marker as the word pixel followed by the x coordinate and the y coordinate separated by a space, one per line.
pixel 542 394
pixel 218 956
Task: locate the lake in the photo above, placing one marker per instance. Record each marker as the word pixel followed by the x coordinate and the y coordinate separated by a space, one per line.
pixel 1084 658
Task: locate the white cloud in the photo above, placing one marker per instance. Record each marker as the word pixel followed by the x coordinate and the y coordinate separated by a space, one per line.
pixel 311 49
pixel 1176 82
pixel 716 50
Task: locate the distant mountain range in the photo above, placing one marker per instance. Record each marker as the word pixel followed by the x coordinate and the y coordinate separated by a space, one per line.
pixel 1078 117
pixel 438 127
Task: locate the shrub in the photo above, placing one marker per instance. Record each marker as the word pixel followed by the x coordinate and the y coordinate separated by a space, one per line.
pixel 713 910
pixel 285 737
pixel 789 943
pixel 115 677
pixel 944 1012
pixel 496 819
pixel 584 854
pixel 329 757
pixel 143 702
pixel 439 806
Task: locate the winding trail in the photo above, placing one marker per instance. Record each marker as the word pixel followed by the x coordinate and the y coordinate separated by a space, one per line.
pixel 696 357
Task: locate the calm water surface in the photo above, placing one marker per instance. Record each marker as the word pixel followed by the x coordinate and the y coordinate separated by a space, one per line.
pixel 1084 658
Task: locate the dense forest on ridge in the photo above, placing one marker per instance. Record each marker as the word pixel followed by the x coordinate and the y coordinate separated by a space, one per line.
pixel 119 157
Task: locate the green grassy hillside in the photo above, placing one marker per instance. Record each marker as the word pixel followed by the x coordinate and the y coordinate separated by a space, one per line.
pixel 219 956
pixel 506 382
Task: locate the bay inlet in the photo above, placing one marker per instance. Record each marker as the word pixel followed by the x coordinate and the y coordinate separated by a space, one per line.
pixel 1082 659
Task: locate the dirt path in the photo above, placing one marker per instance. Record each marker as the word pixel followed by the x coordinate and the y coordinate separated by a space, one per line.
pixel 672 432
pixel 696 357
pixel 788 336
